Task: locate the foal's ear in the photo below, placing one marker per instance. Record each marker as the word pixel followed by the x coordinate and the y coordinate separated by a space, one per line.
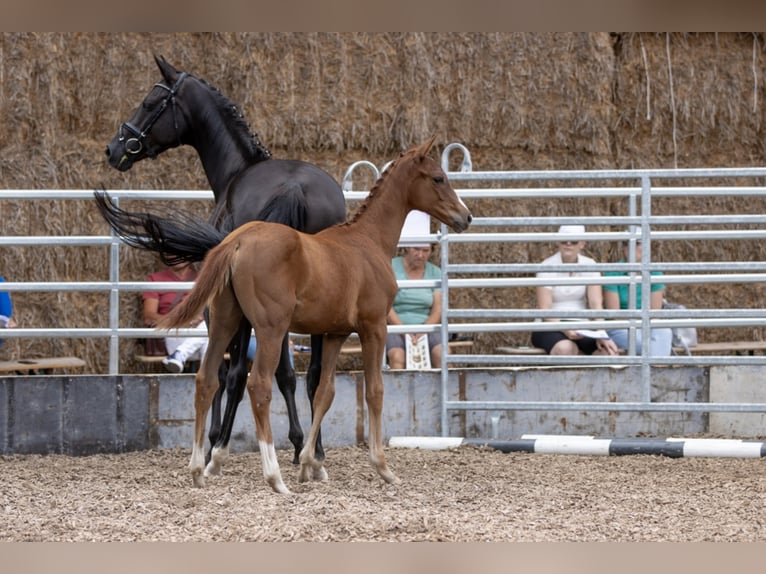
pixel 167 70
pixel 426 146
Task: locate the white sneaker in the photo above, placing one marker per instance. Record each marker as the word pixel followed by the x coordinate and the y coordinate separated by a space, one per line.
pixel 173 362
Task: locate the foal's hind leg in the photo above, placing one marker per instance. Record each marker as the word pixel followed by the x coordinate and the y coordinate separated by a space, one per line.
pixel 235 389
pixel 224 318
pixel 259 386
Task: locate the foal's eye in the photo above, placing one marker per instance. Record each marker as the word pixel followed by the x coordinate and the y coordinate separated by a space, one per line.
pixel 438 179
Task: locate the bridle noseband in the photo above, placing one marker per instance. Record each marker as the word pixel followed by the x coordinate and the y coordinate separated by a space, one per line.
pixel 135 144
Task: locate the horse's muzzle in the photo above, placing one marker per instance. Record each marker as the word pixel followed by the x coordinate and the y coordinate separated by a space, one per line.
pixel 460 224
pixel 117 157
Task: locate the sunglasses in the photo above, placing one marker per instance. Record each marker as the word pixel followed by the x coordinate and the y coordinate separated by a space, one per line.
pixel 568 242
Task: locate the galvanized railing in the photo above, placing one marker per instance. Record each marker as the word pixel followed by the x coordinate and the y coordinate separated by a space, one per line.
pixel 637 187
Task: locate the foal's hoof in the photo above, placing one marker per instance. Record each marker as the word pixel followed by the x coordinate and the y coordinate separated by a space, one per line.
pixel 389 477
pixel 199 479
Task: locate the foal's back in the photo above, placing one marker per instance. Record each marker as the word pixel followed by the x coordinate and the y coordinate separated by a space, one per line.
pixel 331 280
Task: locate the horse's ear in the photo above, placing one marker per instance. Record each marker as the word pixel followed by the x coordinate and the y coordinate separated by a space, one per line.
pixel 167 70
pixel 426 146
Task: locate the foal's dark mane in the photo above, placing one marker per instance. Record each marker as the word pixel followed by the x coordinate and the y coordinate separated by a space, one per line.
pixel 236 123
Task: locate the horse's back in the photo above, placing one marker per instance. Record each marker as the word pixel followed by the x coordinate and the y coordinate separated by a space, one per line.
pixel 285 180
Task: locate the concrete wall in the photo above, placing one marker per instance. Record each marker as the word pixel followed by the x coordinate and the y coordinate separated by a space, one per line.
pixel 95 414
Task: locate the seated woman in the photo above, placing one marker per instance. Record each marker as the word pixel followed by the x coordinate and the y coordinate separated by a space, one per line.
pixel 415 306
pixel 159 303
pixel 570 297
pixel 617 297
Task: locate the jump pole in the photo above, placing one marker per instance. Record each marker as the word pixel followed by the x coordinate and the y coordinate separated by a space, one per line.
pixel 591 445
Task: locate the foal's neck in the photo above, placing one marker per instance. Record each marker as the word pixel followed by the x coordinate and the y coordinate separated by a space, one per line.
pixel 382 216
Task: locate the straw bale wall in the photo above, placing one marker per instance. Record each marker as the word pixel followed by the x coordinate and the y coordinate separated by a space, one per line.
pixel 516 100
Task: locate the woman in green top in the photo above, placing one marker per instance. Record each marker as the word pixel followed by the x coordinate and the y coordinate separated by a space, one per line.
pixel 414 306
pixel 616 297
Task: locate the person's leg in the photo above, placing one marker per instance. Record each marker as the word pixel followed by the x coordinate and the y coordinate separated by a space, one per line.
pixel 435 346
pixel 620 337
pixel 554 343
pixel 661 342
pixel 397 357
pixel 183 349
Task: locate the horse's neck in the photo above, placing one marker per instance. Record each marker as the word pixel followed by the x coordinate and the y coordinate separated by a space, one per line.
pixel 383 218
pixel 221 155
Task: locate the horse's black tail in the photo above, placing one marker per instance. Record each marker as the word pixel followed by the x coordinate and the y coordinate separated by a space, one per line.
pixel 178 238
pixel 288 208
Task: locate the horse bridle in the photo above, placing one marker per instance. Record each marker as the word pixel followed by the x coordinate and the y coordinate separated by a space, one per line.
pixel 135 144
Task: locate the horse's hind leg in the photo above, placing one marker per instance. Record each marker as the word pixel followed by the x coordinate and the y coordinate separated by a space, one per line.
pixel 286 382
pixel 311 466
pixel 215 411
pixel 236 379
pixel 313 375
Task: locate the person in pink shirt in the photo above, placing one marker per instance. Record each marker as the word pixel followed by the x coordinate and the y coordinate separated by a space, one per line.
pixel 159 303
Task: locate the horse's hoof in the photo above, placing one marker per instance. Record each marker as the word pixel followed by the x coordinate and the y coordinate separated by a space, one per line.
pixel 213 469
pixel 319 474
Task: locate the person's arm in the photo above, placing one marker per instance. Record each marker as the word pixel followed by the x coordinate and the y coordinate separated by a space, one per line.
pixel 596 301
pixel 545 299
pixel 657 297
pixel 611 299
pixel 436 310
pixel 393 318
pixel 151 311
pixel 595 297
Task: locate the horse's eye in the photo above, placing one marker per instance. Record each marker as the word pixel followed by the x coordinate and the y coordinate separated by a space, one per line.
pixel 439 179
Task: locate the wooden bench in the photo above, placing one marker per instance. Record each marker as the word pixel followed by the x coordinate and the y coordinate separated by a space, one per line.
pixel 737 347
pixel 43 365
pixel 191 367
pixel 355 347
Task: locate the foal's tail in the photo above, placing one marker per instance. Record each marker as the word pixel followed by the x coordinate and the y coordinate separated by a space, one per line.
pixel 176 238
pixel 214 276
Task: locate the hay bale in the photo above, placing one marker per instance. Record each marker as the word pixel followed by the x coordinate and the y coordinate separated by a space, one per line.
pixel 516 100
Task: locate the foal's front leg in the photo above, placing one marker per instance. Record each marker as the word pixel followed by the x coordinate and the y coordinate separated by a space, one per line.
pixel 373 347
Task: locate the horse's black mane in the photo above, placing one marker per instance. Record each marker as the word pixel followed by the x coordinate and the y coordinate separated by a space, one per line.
pixel 236 120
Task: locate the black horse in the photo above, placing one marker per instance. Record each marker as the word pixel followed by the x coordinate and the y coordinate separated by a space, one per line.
pixel 248 185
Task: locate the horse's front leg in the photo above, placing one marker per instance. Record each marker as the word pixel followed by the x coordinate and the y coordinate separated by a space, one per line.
pixel 236 379
pixel 259 386
pixel 311 466
pixel 373 346
pixel 286 382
